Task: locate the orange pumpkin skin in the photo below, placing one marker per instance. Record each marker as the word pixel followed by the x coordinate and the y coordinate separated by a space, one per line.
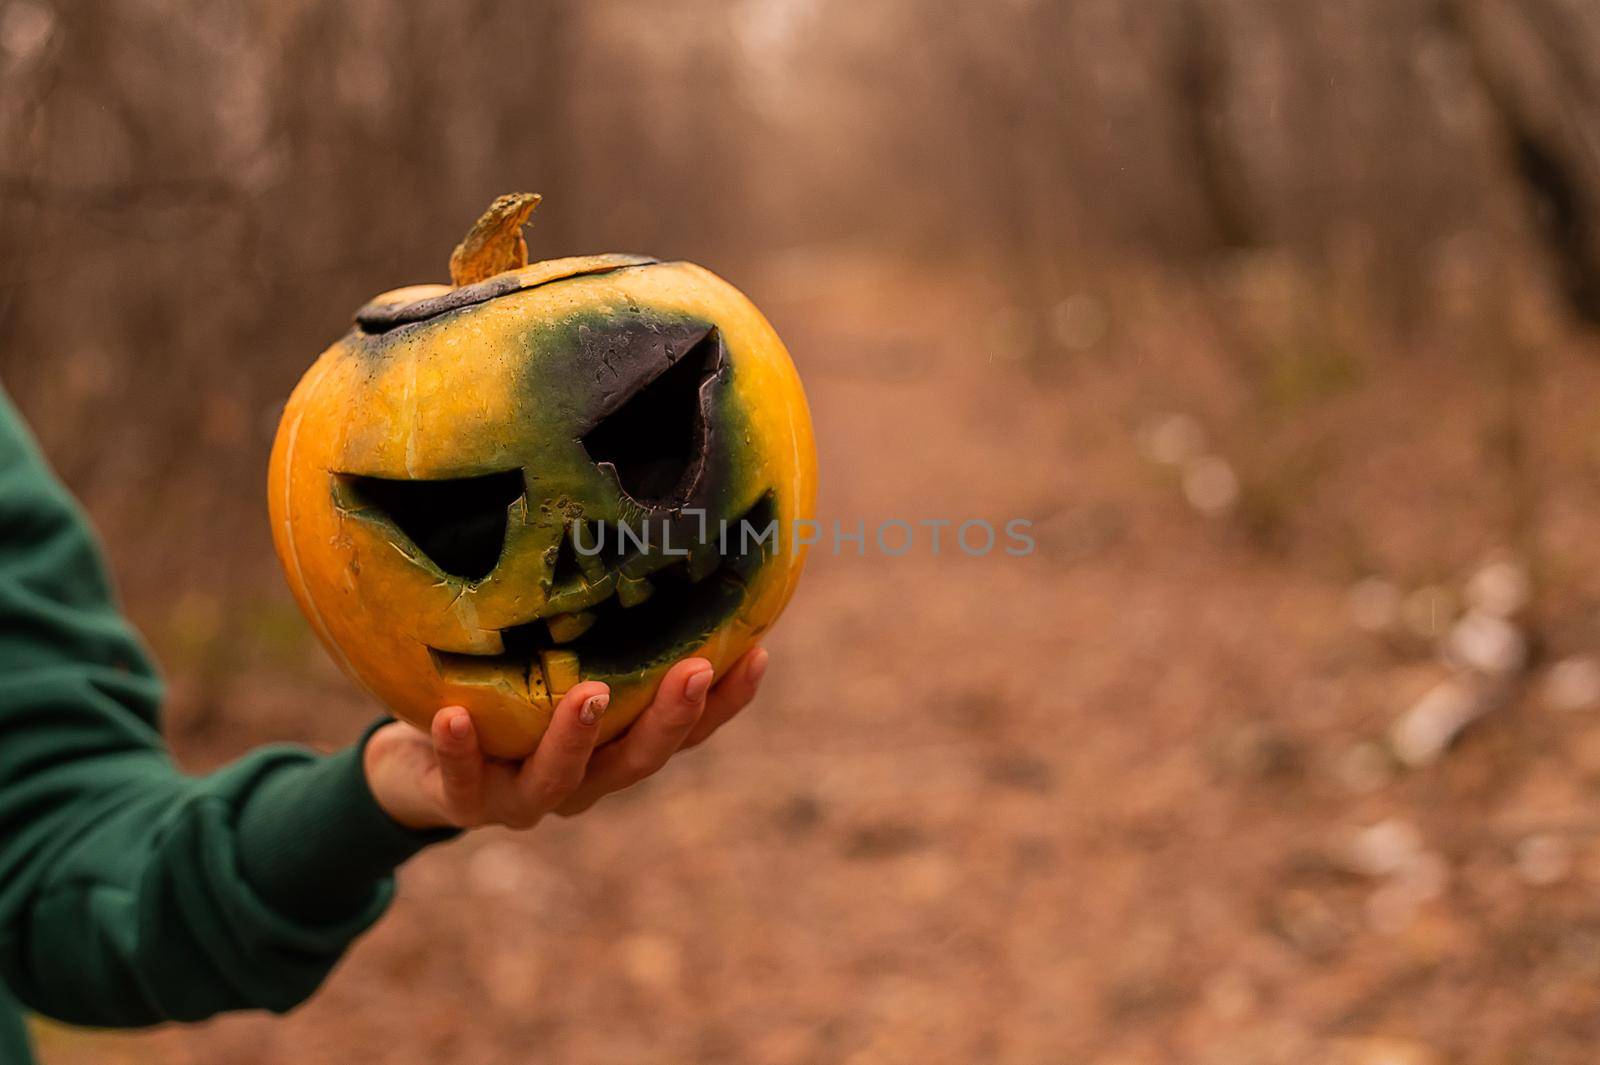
pixel 528 381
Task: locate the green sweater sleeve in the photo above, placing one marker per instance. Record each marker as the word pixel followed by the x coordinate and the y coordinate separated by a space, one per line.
pixel 131 893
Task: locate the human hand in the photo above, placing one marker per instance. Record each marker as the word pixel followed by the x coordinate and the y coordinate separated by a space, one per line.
pixel 442 778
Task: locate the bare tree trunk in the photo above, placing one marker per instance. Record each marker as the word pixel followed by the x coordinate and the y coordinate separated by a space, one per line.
pixel 1199 72
pixel 1539 64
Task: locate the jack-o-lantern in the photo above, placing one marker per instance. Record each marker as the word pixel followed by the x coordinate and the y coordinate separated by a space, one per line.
pixel 581 469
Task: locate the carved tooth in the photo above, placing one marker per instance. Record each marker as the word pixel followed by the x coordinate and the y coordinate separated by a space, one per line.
pixel 631 591
pixel 538 692
pixel 637 567
pixel 591 564
pixel 567 627
pixel 560 670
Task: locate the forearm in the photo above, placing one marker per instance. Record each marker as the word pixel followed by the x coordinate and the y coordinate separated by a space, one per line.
pixel 313 840
pixel 179 897
pixel 129 892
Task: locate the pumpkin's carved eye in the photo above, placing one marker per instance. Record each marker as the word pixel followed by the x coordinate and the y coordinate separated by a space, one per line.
pixel 658 439
pixel 460 524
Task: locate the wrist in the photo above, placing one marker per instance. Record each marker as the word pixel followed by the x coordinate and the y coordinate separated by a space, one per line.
pixel 312 840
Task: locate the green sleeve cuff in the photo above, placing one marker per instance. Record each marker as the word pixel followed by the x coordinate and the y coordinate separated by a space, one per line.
pixel 315 844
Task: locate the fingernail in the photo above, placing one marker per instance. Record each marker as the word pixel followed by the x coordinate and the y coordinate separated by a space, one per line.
pixel 460 725
pixel 694 689
pixel 593 708
pixel 758 665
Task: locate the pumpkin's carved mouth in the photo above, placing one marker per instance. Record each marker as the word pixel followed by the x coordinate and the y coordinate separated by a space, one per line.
pixel 642 621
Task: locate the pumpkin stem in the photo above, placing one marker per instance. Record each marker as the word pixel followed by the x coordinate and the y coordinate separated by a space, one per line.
pixel 494 244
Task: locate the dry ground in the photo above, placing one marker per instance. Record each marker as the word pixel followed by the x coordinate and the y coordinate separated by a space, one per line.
pixel 1084 806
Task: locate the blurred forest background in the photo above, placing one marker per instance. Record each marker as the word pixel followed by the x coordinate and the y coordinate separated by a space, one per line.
pixel 1278 319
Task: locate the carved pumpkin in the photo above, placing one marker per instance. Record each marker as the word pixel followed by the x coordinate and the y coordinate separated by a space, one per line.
pixel 545 473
